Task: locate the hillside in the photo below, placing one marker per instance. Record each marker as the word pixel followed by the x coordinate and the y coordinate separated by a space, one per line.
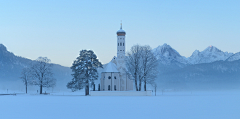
pixel 12 65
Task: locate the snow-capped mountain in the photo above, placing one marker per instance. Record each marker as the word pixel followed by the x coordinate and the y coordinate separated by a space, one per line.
pixel 234 57
pixel 167 55
pixel 210 54
pixel 211 68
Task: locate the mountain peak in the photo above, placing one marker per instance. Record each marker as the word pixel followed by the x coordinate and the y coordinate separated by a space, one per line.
pixel 2 47
pixel 165 45
pixel 196 52
pixel 210 54
pixel 167 54
pixel 212 49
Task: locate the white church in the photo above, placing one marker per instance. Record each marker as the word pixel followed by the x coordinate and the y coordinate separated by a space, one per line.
pixel 113 76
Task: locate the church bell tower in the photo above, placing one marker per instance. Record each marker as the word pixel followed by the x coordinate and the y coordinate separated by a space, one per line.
pixel 121 44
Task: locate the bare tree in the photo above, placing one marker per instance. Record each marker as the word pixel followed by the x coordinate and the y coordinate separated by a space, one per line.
pixel 155 87
pixel 148 66
pixel 141 65
pixel 41 72
pixel 26 77
pixel 132 64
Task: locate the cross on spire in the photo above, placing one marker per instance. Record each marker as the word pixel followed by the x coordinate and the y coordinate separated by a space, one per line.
pixel 121 25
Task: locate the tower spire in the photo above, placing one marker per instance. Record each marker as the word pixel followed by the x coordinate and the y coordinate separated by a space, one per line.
pixel 121 25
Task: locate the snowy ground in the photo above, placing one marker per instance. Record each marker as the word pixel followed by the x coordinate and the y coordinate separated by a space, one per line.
pixel 170 105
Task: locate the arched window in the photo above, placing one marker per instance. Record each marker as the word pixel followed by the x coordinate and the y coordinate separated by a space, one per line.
pixel 120 44
pixel 109 77
pixel 115 77
pixel 109 87
pixel 123 44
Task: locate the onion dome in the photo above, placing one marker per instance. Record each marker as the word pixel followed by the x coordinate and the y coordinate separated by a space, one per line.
pixel 121 32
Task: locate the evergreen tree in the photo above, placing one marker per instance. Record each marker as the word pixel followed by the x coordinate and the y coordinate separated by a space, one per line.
pixel 84 70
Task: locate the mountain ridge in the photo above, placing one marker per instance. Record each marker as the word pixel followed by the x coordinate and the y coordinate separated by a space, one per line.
pixel 166 54
pixel 12 65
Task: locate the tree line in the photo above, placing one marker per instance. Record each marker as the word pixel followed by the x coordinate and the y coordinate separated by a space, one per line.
pixel 141 67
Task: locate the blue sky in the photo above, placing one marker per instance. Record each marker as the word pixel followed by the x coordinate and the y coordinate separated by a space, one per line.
pixel 59 29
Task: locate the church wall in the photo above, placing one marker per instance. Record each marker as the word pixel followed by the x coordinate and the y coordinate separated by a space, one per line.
pixel 105 81
pixel 117 81
pixel 102 82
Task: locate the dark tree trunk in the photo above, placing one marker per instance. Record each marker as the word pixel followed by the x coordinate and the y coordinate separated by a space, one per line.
pixel 136 85
pixel 40 89
pixel 98 87
pixel 145 85
pixel 136 81
pixel 86 90
pixel 140 85
pixel 26 88
pixel 145 80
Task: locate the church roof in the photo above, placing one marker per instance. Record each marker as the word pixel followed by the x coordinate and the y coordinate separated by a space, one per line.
pixel 111 67
pixel 121 31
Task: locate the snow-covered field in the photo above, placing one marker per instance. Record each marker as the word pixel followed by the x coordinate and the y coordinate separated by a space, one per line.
pixel 170 105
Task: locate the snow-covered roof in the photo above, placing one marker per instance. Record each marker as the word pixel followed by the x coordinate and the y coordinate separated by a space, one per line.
pixel 111 67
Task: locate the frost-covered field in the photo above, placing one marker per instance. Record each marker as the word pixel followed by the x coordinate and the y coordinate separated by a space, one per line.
pixel 170 105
